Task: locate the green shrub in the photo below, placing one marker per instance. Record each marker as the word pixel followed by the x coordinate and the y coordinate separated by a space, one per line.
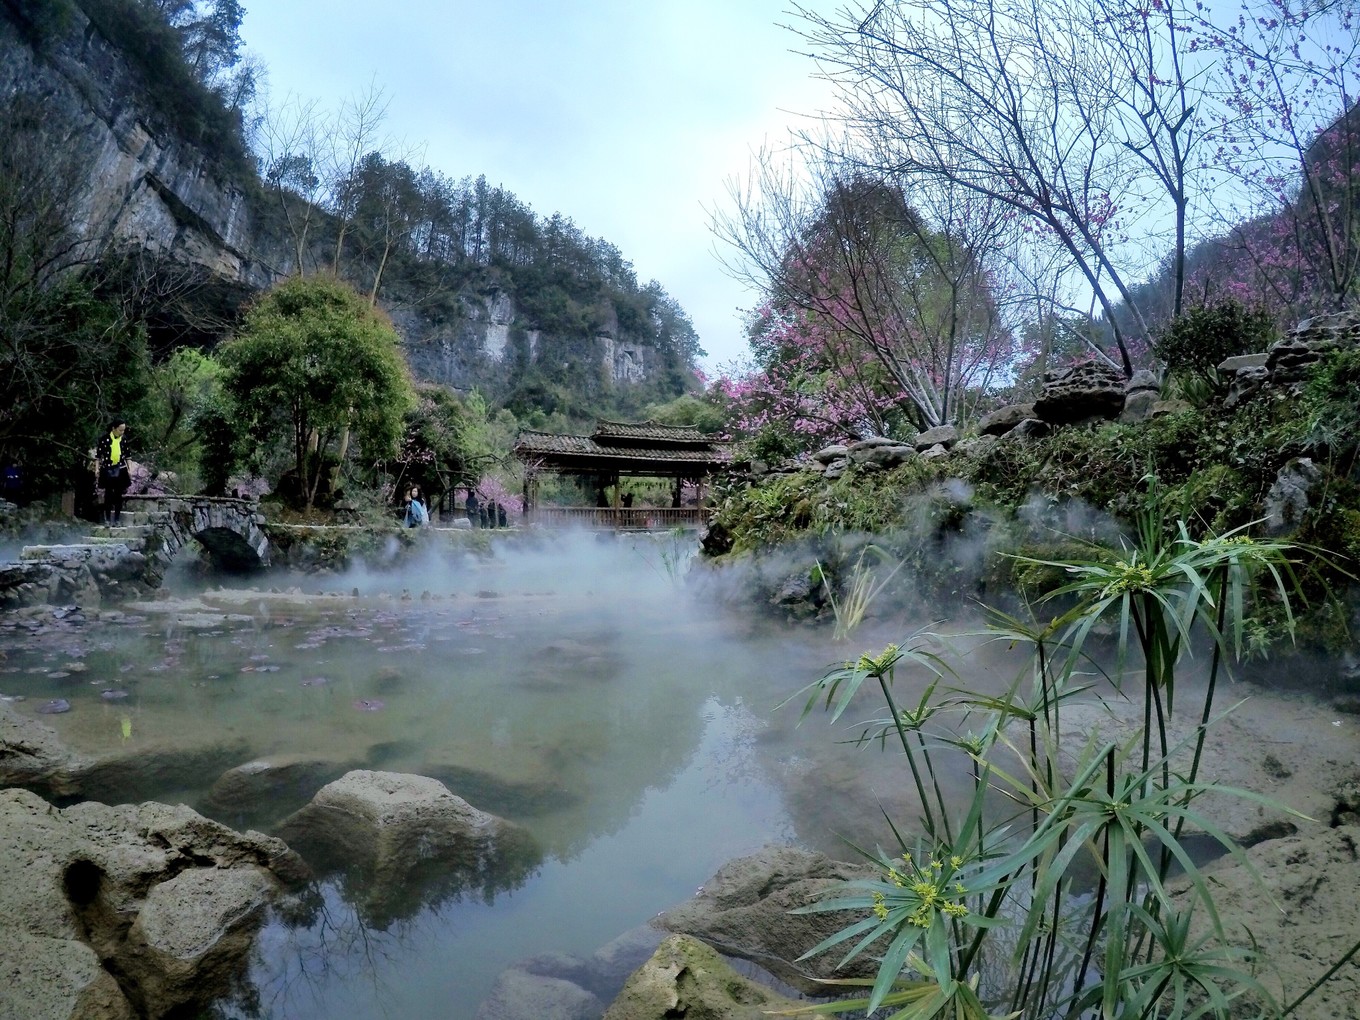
pixel 1194 344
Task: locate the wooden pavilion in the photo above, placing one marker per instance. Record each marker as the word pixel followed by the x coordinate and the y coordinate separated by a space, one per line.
pixel 615 450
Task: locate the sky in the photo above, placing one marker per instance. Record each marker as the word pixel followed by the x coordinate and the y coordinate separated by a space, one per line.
pixel 630 117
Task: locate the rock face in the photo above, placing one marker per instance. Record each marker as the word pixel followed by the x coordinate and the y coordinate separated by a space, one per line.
pixel 745 909
pixel 685 978
pixel 1287 500
pixel 1298 917
pixel 137 910
pixel 1288 360
pixel 405 841
pixel 144 185
pixel 1090 390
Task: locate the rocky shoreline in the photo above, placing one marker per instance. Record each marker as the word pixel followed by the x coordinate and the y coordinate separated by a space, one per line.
pixel 137 910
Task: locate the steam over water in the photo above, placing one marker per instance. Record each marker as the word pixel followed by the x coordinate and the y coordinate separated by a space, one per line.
pixel 584 690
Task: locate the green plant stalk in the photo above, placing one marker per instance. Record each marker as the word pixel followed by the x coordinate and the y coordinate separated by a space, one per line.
pixel 1098 914
pixel 906 746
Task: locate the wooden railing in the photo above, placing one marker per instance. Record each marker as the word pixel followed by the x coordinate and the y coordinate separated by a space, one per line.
pixel 605 518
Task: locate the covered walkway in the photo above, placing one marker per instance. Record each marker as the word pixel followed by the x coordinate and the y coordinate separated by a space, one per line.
pixel 617 450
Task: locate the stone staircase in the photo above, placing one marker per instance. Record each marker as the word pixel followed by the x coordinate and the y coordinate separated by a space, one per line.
pixel 131 536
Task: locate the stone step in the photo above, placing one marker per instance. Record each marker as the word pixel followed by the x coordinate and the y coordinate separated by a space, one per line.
pixel 121 533
pixel 68 551
pixel 105 541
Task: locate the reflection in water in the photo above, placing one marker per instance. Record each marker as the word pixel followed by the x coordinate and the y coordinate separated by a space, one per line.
pixel 580 693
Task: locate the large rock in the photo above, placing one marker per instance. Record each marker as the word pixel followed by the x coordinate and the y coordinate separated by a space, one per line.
pixel 879 453
pixel 1238 362
pixel 940 435
pixel 193 931
pixel 685 978
pixel 1089 390
pixel 33 757
pixel 1030 428
pixel 534 988
pixel 161 899
pixel 1288 498
pixel 44 978
pixel 883 458
pixel 271 787
pixel 745 908
pixel 522 995
pixel 1141 394
pixel 406 841
pixel 1003 419
pixel 976 446
pixel 1291 905
pixel 1289 360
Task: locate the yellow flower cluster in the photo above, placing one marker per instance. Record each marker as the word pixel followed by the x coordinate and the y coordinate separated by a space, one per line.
pixel 929 887
pixel 1131 577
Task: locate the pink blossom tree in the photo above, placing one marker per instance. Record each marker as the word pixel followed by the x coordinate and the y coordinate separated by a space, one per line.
pixel 1286 129
pixel 877 305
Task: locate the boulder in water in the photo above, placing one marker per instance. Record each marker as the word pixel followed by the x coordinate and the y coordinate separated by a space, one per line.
pixel 746 907
pixel 144 904
pixel 686 978
pixel 407 841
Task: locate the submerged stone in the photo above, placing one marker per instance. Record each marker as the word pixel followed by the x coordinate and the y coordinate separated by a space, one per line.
pixel 55 707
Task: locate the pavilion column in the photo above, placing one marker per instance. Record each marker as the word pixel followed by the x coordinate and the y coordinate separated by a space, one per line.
pixel 679 489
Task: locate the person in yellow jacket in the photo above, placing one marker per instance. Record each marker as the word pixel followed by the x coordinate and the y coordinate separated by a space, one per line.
pixel 114 477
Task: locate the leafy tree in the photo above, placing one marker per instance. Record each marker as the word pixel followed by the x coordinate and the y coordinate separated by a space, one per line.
pixel 67 358
pixel 444 441
pixel 314 361
pixel 183 401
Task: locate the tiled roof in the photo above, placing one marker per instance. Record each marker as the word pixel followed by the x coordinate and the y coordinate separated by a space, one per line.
pixel 547 444
pixel 649 431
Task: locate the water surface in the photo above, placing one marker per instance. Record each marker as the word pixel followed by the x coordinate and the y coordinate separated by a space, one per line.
pixel 583 690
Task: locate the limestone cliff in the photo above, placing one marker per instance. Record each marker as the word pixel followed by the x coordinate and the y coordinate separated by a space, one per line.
pixel 146 186
pixel 507 326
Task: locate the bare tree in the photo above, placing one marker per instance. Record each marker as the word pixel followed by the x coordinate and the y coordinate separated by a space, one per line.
pixel 291 139
pixel 1287 130
pixel 355 136
pixel 1074 116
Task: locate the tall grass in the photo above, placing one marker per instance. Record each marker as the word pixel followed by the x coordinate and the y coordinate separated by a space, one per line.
pixel 976 915
pixel 863 586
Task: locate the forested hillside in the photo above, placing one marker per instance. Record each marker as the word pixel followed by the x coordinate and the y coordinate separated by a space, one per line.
pixel 148 196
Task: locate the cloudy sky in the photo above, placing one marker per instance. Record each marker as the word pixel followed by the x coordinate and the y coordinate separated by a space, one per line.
pixel 628 116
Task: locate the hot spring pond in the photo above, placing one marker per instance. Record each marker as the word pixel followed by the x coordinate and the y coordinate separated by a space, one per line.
pixel 624 719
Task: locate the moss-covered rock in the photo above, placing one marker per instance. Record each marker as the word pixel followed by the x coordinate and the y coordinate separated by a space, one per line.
pixel 686 978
